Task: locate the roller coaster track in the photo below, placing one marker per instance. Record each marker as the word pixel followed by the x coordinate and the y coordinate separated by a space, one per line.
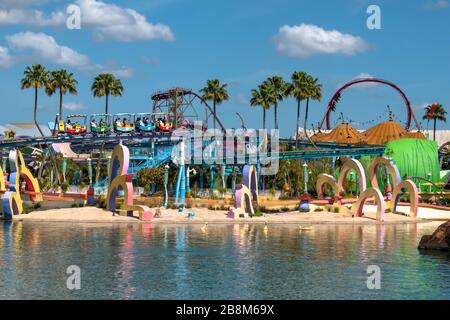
pixel 87 139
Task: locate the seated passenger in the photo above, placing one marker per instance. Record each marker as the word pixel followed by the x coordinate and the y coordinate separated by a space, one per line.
pixel 102 122
pixel 146 121
pixel 93 124
pixel 69 124
pixel 125 122
pixel 119 123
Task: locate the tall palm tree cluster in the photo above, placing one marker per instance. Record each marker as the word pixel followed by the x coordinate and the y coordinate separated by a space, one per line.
pixel 62 82
pixel 269 93
pixel 274 89
pixel 435 112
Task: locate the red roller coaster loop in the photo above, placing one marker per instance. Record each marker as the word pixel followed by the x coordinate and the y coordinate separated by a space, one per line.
pixel 336 97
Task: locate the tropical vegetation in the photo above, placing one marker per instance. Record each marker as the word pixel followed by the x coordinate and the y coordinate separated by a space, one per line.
pixel 106 85
pixel 63 82
pixel 435 112
pixel 215 92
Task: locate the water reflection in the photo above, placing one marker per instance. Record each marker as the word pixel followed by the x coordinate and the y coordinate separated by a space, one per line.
pixel 240 261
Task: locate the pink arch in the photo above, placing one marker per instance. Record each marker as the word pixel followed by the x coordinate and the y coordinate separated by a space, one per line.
pixel 357 208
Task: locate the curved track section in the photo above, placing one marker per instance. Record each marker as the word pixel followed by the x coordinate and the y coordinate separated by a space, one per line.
pixel 336 97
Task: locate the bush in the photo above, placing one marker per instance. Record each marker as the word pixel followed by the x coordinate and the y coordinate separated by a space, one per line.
pixel 318 209
pixel 257 213
pixel 336 209
pixel 64 187
pixel 101 202
pixel 443 202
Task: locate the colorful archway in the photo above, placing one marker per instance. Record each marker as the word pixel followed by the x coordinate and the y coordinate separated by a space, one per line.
pixel 391 168
pixel 19 170
pixel 357 208
pixel 336 97
pixel 352 164
pixel 411 188
pixel 326 179
pixel 119 179
pixel 246 194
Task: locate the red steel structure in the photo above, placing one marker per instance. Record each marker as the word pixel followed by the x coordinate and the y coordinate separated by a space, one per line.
pixel 336 97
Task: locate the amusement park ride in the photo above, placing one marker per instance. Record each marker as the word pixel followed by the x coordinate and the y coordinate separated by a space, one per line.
pixel 150 139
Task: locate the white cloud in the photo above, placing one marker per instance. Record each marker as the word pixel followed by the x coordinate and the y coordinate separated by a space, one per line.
pixel 118 71
pixel 365 75
pixel 107 21
pixel 40 47
pixel 306 40
pixel 44 47
pixel 154 61
pixel 242 99
pixel 421 106
pixel 112 22
pixel 20 3
pixel 73 106
pixel 437 4
pixel 5 59
pixel 31 17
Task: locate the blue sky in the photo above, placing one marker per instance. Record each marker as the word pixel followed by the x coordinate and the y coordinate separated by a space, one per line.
pixel 156 44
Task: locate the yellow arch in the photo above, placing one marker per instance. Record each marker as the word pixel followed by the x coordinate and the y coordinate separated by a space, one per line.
pixel 2 180
pixel 19 169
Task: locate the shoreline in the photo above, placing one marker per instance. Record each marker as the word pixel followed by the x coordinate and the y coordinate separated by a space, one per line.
pixel 202 216
pixel 231 222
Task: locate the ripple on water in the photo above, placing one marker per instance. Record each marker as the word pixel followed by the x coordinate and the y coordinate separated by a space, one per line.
pixel 223 262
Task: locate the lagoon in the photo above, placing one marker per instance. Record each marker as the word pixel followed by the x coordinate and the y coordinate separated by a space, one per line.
pixel 221 261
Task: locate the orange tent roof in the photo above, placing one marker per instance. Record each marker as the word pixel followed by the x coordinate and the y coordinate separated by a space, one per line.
pixel 384 132
pixel 342 133
pixel 415 135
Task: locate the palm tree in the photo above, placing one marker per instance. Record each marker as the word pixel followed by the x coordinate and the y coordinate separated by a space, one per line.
pixel 314 92
pixel 298 89
pixel 61 81
pixel 105 85
pixel 435 112
pixel 215 92
pixel 277 91
pixel 260 98
pixel 35 77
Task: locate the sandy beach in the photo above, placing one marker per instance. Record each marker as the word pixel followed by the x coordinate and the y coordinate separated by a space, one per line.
pixel 202 215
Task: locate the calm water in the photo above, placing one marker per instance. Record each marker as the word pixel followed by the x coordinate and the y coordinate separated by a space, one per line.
pixel 222 262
